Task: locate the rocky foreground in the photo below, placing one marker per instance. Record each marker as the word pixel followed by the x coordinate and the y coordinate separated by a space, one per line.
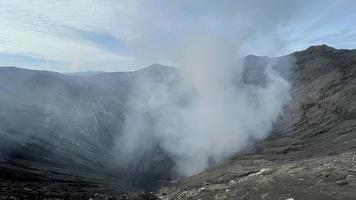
pixel 250 177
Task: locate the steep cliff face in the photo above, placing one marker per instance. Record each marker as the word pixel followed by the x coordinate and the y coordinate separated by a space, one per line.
pixel 311 152
pixel 322 110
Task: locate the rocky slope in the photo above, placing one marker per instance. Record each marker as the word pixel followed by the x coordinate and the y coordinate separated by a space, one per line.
pixel 57 133
pixel 311 153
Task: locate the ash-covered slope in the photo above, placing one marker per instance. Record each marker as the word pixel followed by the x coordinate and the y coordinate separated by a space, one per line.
pixel 57 135
pixel 311 153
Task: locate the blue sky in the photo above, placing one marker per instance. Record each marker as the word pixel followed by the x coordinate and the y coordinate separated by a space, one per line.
pixel 118 35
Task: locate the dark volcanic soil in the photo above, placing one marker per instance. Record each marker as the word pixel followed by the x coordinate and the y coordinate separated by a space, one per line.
pixel 311 153
pixel 21 179
pixel 57 135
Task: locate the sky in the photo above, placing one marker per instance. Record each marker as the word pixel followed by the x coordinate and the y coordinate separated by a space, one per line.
pixel 125 35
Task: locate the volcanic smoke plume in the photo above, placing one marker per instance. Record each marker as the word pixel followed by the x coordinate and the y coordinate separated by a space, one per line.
pixel 206 111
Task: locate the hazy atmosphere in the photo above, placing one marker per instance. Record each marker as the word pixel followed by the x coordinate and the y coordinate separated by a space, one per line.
pixel 177 99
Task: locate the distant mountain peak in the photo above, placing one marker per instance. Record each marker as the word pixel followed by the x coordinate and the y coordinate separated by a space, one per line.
pixel 322 47
pixel 85 73
pixel 156 67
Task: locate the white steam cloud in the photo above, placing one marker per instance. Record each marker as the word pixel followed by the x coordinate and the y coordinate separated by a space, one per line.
pixel 206 114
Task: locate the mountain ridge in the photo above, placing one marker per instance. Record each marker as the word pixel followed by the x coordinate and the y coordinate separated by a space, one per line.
pixel 310 154
pixel 68 124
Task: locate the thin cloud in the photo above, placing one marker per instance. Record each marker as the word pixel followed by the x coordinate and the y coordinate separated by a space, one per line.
pixel 152 31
